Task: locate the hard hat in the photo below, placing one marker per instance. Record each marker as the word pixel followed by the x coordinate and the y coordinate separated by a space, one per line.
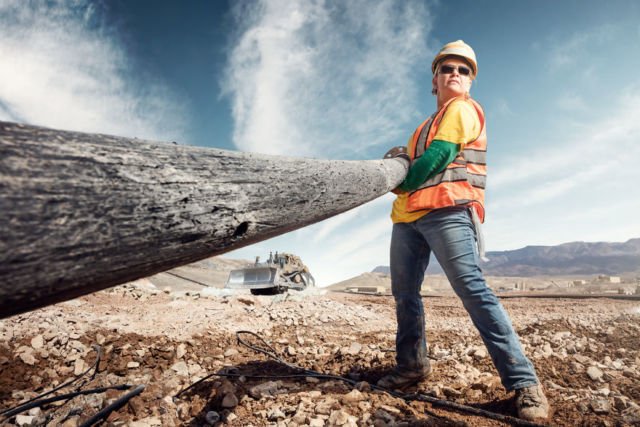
pixel 457 48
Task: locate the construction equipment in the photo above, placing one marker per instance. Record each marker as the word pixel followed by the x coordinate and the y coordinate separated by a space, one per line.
pixel 278 274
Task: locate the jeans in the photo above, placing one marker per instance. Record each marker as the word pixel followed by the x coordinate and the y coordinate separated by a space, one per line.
pixel 450 234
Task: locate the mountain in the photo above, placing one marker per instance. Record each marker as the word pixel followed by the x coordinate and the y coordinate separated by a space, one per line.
pixel 565 259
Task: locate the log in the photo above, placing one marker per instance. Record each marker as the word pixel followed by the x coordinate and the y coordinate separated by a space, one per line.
pixel 82 212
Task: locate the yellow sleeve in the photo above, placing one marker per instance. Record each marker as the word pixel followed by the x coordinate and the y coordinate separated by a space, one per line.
pixel 460 124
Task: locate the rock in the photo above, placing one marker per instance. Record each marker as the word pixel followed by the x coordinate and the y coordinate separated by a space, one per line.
pixel 291 351
pixel 325 407
pixel 451 392
pixel 37 342
pixel 384 416
pixel 27 358
pixel 78 367
pixel 213 417
pixel 181 369
pixel 275 414
pixel 594 373
pixel 230 400
pixel 342 418
pixel 480 353
pixel 231 352
pixel 353 396
pixel 24 420
pixel 620 403
pixel 312 380
pixel 354 348
pixel 71 422
pixel 316 422
pixel 146 422
pixel 363 386
pixel 35 412
pixel 631 415
pixel 600 406
pixel 132 365
pixel 269 388
pixel 181 350
pixel 100 339
pixel 390 409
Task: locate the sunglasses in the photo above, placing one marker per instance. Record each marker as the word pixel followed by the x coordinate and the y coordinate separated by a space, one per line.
pixel 448 69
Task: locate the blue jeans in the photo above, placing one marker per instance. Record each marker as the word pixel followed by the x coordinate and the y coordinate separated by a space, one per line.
pixel 450 234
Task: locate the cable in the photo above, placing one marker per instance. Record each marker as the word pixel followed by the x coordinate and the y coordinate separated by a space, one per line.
pixel 104 413
pixel 270 352
pixel 95 366
pixel 42 402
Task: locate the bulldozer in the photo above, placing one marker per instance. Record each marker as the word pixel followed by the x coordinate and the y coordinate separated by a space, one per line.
pixel 278 274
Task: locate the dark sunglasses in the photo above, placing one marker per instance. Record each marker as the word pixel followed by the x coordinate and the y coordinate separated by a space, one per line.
pixel 448 69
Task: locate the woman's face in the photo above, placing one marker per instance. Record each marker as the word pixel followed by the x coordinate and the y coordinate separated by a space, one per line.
pixel 449 81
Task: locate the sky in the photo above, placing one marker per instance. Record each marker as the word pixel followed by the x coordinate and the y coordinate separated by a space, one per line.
pixel 558 80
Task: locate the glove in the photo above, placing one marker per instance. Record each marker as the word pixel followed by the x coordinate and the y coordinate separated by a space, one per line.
pixel 397 152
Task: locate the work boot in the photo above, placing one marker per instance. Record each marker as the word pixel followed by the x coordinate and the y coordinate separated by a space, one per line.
pixel 532 403
pixel 398 380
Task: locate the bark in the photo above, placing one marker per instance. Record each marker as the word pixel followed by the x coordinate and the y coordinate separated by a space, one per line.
pixel 82 212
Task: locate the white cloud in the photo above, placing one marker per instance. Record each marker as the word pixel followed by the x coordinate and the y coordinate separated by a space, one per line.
pixel 577 187
pixel 326 79
pixel 572 102
pixel 61 67
pixel 574 51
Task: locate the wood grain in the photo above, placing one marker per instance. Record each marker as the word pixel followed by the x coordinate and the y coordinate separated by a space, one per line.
pixel 82 212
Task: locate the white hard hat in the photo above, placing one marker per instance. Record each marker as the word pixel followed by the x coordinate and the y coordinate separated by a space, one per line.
pixel 456 48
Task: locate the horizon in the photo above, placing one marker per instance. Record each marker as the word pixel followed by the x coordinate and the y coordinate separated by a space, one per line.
pixel 324 80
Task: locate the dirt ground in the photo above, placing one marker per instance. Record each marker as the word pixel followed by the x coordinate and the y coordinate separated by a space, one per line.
pixel 586 353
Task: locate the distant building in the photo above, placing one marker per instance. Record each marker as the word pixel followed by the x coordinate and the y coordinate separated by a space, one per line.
pixel 579 282
pixel 609 279
pixel 375 290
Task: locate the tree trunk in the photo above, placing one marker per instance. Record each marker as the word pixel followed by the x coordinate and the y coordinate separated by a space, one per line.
pixel 83 212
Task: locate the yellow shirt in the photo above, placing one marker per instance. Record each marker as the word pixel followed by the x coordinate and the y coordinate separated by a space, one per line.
pixel 460 125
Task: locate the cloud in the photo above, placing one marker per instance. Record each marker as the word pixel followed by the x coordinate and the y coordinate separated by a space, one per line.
pixel 326 79
pixel 572 102
pixel 63 67
pixel 579 186
pixel 580 48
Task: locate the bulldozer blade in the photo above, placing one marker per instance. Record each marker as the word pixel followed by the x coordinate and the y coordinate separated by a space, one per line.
pixel 253 278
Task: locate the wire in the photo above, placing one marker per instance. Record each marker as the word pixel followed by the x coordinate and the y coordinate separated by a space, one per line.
pixel 104 413
pixel 42 402
pixel 95 366
pixel 270 352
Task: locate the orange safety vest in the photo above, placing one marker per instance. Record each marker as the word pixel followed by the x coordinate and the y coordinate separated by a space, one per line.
pixel 464 179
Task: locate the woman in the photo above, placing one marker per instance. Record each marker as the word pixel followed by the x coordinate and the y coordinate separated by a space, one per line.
pixel 439 208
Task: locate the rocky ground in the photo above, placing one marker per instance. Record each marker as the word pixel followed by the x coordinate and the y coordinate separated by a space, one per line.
pixel 586 353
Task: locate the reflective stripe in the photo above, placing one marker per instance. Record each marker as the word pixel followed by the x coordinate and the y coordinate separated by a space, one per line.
pixel 475 156
pixel 455 174
pixel 422 139
pixel 463 181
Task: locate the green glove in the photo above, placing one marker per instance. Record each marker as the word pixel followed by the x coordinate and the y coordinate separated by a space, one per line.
pixel 434 160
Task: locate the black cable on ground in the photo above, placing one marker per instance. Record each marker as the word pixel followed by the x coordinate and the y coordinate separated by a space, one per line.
pixel 470 410
pixel 270 352
pixel 41 402
pixel 119 403
pixel 18 407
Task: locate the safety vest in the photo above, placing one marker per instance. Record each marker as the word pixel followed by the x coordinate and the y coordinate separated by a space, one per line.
pixel 464 179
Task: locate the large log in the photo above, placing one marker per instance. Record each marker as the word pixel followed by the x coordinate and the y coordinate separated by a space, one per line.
pixel 82 212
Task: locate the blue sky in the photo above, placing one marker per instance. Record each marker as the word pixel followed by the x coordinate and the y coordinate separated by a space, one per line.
pixel 347 80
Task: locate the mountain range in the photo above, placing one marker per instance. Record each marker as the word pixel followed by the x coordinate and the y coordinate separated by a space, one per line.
pixel 574 258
